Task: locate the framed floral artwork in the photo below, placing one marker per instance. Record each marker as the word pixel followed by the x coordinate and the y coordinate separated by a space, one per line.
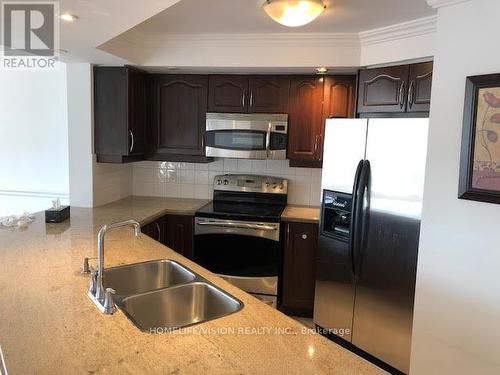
pixel 480 154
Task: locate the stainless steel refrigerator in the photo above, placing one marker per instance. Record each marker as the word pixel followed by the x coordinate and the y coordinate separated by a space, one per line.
pixel 372 187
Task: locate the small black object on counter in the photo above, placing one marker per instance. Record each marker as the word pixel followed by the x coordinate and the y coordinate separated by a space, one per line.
pixel 57 215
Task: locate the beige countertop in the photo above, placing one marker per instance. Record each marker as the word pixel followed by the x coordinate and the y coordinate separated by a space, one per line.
pixel 48 324
pixel 303 214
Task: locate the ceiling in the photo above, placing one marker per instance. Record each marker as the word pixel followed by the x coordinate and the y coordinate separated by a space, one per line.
pixel 247 17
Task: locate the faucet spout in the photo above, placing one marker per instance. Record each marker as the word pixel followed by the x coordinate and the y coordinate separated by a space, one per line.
pixel 99 295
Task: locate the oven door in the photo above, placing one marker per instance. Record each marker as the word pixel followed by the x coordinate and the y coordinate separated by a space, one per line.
pixel 247 254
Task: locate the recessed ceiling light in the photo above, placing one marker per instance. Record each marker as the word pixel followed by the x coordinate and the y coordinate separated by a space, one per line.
pixel 68 17
pixel 321 70
pixel 293 13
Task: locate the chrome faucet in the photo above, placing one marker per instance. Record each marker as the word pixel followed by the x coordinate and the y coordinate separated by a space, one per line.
pixel 103 298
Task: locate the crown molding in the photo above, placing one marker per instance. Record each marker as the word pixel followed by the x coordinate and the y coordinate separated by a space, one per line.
pixel 418 27
pixel 444 3
pixel 341 39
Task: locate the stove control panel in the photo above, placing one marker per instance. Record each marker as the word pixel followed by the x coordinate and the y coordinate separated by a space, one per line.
pixel 251 183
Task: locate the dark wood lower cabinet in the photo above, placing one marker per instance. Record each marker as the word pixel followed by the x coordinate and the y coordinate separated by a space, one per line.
pixel 174 231
pixel 155 230
pixel 179 234
pixel 299 268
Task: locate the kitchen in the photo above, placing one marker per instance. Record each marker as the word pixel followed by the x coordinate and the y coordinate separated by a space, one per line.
pixel 276 188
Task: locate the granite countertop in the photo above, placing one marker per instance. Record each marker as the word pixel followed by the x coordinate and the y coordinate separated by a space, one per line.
pixel 303 214
pixel 48 323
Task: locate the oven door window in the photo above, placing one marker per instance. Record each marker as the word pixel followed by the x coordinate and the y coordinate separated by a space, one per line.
pixel 237 139
pixel 238 255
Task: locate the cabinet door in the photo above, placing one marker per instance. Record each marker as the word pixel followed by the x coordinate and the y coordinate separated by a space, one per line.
pixel 383 89
pixel 228 93
pixel 179 234
pixel 138 126
pixel 268 94
pixel 339 97
pixel 419 91
pixel 305 119
pixel 120 111
pixel 181 112
pixel 155 230
pixel 299 267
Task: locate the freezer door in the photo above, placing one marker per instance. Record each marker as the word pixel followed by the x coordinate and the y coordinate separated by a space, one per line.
pixel 344 147
pixel 334 293
pixel 386 269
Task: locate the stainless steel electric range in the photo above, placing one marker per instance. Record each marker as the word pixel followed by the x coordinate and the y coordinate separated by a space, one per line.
pixel 237 235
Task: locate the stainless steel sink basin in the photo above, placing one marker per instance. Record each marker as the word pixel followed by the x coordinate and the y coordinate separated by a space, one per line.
pixel 143 277
pixel 178 306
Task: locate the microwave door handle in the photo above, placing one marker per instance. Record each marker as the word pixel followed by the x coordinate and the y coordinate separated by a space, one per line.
pixel 268 139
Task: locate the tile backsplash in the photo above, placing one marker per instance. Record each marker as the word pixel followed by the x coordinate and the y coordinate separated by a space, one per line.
pixel 194 180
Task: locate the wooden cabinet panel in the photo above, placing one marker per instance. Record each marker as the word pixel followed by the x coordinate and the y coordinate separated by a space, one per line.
pixel 179 234
pixel 305 128
pixel 181 109
pixel 339 97
pixel 138 112
pixel 268 94
pixel 228 93
pixel 121 125
pixel 299 267
pixel 155 230
pixel 420 84
pixel 383 89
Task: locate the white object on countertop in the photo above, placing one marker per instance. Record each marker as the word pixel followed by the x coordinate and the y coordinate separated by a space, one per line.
pixel 56 204
pixel 19 221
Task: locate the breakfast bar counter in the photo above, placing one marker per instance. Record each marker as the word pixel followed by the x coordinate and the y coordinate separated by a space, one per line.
pixel 48 324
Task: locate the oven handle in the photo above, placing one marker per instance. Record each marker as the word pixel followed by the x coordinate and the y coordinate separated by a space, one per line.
pixel 238 225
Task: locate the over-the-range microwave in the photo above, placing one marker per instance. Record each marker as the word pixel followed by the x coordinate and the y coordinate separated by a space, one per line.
pixel 246 136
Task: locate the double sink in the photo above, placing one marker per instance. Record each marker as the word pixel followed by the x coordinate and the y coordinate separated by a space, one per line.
pixel 162 295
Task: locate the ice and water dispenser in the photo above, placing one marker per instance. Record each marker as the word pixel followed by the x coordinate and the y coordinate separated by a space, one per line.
pixel 336 214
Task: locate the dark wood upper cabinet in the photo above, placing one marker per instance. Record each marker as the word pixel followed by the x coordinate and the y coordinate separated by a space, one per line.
pixel 228 93
pixel 179 234
pixel 305 122
pixel 121 113
pixel 299 267
pixel 420 84
pixel 268 94
pixel 181 110
pixel 339 97
pixel 395 89
pixel 383 89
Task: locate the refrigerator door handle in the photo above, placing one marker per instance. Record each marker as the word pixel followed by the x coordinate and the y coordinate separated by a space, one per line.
pixel 352 228
pixel 358 217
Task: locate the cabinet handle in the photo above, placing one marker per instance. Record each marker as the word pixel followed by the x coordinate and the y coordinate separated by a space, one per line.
pixel 251 98
pixel 401 96
pixel 159 231
pixel 304 236
pixel 131 141
pixel 410 94
pixel 243 99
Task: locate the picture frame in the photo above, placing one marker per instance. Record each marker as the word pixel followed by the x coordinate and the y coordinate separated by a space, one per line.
pixel 479 178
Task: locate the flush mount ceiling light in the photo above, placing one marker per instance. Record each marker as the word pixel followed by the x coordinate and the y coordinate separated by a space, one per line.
pixel 68 17
pixel 293 13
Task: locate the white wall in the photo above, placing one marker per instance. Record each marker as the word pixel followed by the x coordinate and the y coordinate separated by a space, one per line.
pixel 457 308
pixel 33 139
pixel 90 184
pixel 188 180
